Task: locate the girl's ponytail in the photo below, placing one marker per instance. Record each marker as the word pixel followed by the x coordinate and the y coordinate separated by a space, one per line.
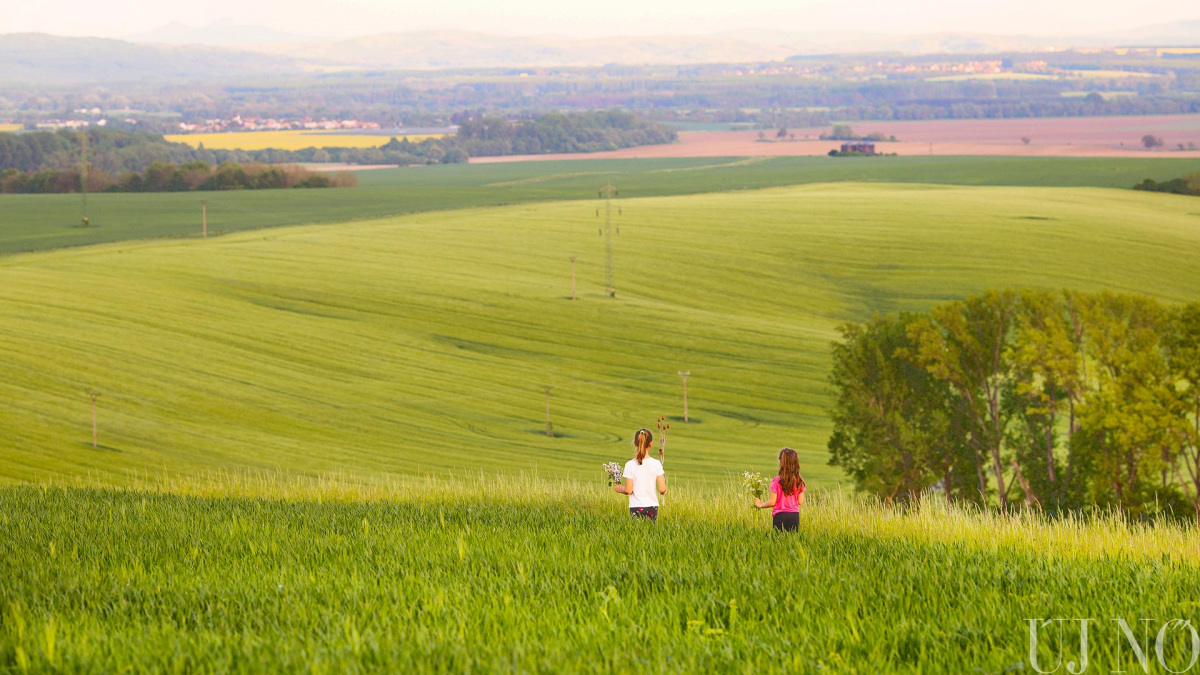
pixel 790 480
pixel 642 440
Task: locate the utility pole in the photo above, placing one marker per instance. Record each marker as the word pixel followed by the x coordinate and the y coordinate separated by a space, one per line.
pixel 684 375
pixel 607 193
pixel 548 388
pixel 83 176
pixel 572 277
pixel 204 216
pixel 95 395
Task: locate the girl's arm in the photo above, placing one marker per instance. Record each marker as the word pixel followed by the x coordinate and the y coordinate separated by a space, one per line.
pixel 800 500
pixel 760 504
pixel 662 485
pixel 626 489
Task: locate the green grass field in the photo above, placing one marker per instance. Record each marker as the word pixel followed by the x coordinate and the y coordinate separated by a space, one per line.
pixel 331 436
pixel 535 576
pixel 421 343
pixel 32 222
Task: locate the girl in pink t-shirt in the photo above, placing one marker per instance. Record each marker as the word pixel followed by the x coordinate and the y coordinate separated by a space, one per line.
pixel 787 493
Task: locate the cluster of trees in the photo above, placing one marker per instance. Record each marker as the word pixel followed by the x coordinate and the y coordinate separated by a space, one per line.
pixel 854 153
pixel 1060 400
pixel 1150 142
pixel 109 150
pixel 115 151
pixel 161 177
pixel 1188 185
pixel 557 132
pixel 845 132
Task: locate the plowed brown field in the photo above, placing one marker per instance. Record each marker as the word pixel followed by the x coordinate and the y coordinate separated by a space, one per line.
pixel 1053 137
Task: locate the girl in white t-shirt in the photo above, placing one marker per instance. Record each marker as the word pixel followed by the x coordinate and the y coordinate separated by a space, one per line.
pixel 642 475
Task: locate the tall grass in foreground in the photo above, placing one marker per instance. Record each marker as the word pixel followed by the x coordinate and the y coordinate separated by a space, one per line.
pixel 1093 534
pixel 487 573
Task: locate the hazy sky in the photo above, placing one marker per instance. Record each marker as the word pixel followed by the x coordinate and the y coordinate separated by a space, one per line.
pixel 344 18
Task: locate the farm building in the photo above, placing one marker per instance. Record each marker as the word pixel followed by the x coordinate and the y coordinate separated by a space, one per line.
pixel 859 147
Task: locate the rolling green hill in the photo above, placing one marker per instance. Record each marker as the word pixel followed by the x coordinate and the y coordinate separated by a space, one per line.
pixel 34 222
pixel 421 343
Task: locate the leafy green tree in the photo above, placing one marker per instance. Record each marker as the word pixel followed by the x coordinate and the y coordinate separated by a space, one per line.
pixel 1131 410
pixel 1183 347
pixel 893 432
pixel 1046 383
pixel 965 345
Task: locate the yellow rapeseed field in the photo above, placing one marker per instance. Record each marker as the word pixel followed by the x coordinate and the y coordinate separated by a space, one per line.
pixel 287 140
pixel 11 127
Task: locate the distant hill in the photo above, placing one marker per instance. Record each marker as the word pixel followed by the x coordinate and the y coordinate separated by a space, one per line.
pixel 221 33
pixel 466 49
pixel 48 59
pixel 226 49
pixel 462 49
pixel 1175 34
pixel 1182 33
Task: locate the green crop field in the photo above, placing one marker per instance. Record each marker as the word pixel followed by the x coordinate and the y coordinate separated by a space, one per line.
pixel 329 449
pixel 421 343
pixel 32 222
pixel 538 576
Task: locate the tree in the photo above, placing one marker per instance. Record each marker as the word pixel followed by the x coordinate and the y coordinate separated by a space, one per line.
pixel 893 432
pixel 1183 348
pixel 1047 380
pixel 1150 141
pixel 1192 181
pixel 1130 410
pixel 782 133
pixel 842 132
pixel 965 345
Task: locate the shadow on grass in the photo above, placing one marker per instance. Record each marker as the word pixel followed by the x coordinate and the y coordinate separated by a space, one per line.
pixel 100 447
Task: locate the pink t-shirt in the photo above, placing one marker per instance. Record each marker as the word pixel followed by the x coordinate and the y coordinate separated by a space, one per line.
pixel 785 503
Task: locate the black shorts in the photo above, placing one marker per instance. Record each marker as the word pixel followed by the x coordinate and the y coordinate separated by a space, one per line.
pixel 787 522
pixel 650 512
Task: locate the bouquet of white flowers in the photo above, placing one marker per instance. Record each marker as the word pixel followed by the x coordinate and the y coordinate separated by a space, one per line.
pixel 754 485
pixel 614 472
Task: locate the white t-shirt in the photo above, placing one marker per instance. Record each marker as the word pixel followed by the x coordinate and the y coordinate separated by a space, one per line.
pixel 645 481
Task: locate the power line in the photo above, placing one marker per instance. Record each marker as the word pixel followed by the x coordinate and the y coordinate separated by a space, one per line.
pixel 607 193
pixel 549 429
pixel 684 375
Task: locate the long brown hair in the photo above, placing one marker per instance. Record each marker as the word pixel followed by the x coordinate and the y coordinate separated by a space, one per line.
pixel 642 439
pixel 790 480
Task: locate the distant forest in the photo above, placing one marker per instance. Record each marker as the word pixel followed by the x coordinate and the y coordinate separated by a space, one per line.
pixel 116 151
pixel 160 177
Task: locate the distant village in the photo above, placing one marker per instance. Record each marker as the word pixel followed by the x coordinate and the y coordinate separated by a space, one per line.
pixel 239 123
pixel 989 67
pixel 235 123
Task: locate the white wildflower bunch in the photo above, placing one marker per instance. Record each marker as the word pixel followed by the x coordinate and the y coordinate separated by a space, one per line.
pixel 753 484
pixel 614 472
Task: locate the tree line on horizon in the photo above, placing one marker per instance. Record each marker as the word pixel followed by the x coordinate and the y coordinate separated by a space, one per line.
pixel 115 151
pixel 1055 400
pixel 163 177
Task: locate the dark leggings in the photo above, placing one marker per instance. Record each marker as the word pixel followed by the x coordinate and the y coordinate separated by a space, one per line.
pixel 650 512
pixel 786 522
